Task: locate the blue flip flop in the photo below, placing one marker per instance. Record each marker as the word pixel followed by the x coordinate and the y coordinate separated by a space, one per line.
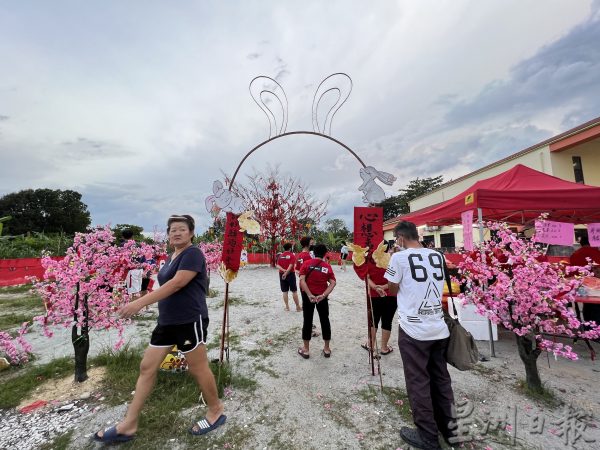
pixel 204 427
pixel 110 436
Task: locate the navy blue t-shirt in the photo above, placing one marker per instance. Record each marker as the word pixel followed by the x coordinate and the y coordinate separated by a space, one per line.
pixel 189 303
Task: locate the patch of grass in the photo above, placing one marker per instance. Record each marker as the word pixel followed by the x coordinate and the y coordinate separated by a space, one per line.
pixel 544 395
pixel 483 370
pixel 13 320
pixel 59 443
pixel 14 389
pixel 31 302
pixel 261 352
pixel 212 293
pixel 23 288
pixel 279 340
pixel 234 341
pixel 266 370
pixel 231 301
pixel 398 398
pixel 368 394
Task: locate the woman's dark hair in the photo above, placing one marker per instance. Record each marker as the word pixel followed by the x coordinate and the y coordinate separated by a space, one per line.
pixel 407 230
pixel 584 241
pixel 320 250
pixel 305 241
pixel 189 220
pixel 287 246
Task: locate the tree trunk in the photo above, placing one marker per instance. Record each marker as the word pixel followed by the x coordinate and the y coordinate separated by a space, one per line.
pixel 529 352
pixel 81 342
pixel 272 252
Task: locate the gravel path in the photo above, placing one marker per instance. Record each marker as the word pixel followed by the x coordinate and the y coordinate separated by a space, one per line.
pixel 335 403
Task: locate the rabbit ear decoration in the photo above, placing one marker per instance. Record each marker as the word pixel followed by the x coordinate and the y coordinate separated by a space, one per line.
pixel 336 87
pixel 384 177
pixel 265 90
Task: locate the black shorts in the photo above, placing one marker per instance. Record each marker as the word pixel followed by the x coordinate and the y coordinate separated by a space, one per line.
pixel 145 283
pixel 186 336
pixel 289 283
pixel 344 256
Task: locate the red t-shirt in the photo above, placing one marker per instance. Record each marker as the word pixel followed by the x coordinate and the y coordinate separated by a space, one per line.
pixel 376 275
pixel 285 259
pixel 579 257
pixel 317 280
pixel 301 259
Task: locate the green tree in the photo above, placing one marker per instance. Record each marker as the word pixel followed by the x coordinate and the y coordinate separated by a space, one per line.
pixel 398 204
pixel 135 229
pixel 45 210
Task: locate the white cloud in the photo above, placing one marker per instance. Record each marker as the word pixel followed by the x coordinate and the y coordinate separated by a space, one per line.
pixel 154 101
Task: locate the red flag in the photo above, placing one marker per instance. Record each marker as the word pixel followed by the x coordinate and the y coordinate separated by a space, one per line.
pixel 232 244
pixel 368 227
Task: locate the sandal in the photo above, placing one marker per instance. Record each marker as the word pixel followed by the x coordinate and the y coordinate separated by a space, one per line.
pixel 111 436
pixel 204 427
pixel 366 347
pixel 301 353
pixel 325 354
pixel 388 350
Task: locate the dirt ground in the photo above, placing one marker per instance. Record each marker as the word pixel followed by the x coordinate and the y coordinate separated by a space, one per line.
pixel 335 403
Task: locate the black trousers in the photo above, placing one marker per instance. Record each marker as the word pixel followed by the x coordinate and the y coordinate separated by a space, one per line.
pixel 308 311
pixel 428 385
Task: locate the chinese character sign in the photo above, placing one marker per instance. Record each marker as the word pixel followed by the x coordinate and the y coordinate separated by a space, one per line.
pixel 594 234
pixel 368 227
pixel 232 243
pixel 467 224
pixel 556 233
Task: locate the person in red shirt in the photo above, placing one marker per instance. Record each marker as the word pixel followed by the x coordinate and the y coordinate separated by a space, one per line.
pixel 287 276
pixel 316 283
pixel 384 306
pixel 579 257
pixel 304 255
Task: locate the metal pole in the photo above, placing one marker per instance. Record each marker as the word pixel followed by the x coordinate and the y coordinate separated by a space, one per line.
pixel 225 317
pixel 491 333
pixel 369 326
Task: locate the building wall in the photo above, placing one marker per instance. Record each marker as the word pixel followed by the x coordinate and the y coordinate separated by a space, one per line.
pixel 538 159
pixel 562 162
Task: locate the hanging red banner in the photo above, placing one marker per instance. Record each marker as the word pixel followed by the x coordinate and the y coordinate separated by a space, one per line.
pixel 232 243
pixel 368 227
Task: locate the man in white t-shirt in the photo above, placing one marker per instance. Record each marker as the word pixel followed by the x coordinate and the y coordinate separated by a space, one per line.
pixel 416 275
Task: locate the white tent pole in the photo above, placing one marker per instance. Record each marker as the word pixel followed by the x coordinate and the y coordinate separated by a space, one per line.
pixel 491 334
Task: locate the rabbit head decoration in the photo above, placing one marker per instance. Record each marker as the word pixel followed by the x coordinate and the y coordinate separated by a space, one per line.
pixel 372 192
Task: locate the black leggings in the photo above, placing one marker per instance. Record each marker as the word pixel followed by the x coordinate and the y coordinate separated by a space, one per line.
pixel 384 309
pixel 308 311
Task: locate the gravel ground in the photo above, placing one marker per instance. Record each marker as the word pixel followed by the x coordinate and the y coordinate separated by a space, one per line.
pixel 335 403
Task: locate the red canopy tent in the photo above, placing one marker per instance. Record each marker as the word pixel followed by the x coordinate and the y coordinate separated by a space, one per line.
pixel 518 195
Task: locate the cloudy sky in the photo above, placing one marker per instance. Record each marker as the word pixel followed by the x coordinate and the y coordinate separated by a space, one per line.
pixel 140 105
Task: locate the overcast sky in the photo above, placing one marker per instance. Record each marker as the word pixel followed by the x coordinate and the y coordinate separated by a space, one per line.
pixel 140 105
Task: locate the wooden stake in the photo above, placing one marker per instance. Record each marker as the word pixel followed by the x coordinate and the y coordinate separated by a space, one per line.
pixel 225 325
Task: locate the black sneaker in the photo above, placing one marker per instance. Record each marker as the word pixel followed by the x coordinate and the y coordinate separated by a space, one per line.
pixel 413 437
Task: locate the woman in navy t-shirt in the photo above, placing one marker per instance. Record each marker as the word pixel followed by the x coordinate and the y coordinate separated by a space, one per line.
pixel 182 321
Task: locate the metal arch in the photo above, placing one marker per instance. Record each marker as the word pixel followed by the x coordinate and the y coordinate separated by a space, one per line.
pixel 313 133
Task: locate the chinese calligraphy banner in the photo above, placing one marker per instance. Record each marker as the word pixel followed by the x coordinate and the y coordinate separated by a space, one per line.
pixel 368 227
pixel 232 243
pixel 594 234
pixel 556 233
pixel 467 224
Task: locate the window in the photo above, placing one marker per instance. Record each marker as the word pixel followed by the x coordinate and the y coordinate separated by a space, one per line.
pixel 447 240
pixel 578 169
pixel 428 241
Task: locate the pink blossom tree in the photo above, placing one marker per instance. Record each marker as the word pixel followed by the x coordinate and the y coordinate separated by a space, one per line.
pixel 515 286
pixel 212 252
pixel 16 348
pixel 86 288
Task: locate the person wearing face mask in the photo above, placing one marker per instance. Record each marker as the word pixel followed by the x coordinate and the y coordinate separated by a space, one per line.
pixel 182 321
pixel 416 276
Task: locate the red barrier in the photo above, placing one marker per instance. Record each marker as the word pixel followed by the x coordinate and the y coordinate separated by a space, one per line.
pixel 16 271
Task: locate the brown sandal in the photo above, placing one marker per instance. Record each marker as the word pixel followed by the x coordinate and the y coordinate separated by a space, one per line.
pixel 301 353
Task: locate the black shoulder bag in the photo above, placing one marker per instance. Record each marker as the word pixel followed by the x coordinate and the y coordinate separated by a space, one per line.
pixel 462 350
